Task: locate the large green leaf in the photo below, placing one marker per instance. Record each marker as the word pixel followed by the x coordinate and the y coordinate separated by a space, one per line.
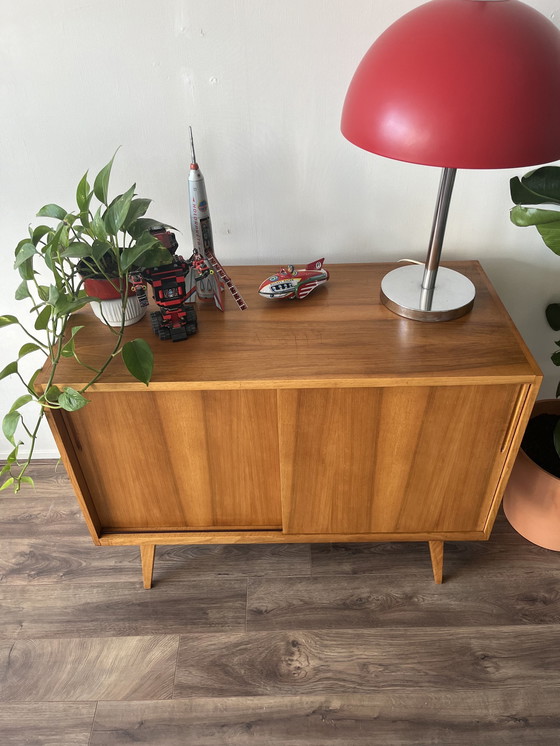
pixel 550 234
pixel 555 357
pixel 139 359
pixel 52 211
pixel 524 216
pixel 71 400
pixel 101 183
pixel 118 210
pixel 553 316
pixel 520 195
pixel 544 181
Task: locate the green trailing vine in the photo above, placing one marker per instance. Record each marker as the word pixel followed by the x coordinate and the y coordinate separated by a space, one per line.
pixel 102 239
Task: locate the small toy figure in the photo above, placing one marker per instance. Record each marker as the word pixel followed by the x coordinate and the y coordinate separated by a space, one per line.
pixel 173 285
pixel 294 283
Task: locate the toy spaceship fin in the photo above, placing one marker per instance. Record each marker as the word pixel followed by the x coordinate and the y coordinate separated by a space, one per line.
pixel 315 265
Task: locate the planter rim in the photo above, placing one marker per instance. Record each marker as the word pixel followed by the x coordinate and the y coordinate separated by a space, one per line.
pixel 543 406
pixel 103 289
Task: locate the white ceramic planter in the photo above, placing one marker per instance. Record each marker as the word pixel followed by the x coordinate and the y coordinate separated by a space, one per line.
pixel 110 311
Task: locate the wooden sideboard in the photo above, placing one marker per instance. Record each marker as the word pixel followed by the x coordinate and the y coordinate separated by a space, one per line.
pixel 324 420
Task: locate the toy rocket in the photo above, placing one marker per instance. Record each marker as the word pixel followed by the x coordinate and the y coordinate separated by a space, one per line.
pixel 201 228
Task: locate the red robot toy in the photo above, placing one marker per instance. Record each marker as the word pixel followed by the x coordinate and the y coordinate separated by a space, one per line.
pixel 173 285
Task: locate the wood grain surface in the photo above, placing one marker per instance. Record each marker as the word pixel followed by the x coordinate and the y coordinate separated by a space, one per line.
pixel 84 668
pixel 392 459
pixel 186 459
pixel 396 600
pixel 341 644
pixel 122 609
pixel 344 661
pixel 46 723
pixel 339 333
pixel 396 717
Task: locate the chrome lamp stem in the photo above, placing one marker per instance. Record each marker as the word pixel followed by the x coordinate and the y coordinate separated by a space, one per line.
pixel 430 293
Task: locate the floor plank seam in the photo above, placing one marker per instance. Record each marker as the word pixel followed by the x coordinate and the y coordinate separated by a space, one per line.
pixel 93 723
pixel 175 670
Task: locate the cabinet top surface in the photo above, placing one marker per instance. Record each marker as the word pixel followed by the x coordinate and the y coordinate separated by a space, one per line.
pixel 341 335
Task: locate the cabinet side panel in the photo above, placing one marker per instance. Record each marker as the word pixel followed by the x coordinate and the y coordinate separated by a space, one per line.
pixel 66 446
pixel 180 459
pixel 403 459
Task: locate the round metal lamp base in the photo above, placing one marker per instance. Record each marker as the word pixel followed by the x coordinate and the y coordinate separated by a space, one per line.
pixel 402 293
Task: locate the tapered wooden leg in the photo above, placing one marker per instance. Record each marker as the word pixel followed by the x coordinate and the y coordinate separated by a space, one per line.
pixel 436 554
pixel 147 554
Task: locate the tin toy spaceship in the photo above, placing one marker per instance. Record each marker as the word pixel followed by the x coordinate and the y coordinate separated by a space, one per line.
pixel 294 283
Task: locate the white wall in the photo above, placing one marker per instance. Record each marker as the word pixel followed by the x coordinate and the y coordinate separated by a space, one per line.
pixel 262 83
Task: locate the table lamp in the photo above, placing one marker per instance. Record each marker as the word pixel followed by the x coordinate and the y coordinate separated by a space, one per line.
pixel 456 84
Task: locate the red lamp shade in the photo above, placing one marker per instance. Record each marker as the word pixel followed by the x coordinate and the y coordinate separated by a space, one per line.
pixel 460 84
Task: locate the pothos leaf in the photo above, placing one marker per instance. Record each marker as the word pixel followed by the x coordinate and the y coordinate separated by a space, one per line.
pixel 83 193
pixel 101 183
pixel 7 320
pixel 139 359
pixel 71 400
pixel 9 370
pixel 20 402
pixel 9 425
pixel 43 318
pixel 52 211
pixel 26 349
pixel 117 211
pixel 22 291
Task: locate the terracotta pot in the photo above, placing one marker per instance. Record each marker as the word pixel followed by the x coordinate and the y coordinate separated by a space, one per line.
pixel 532 497
pixel 109 306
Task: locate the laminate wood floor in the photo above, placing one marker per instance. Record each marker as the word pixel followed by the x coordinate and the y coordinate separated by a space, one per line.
pixel 292 645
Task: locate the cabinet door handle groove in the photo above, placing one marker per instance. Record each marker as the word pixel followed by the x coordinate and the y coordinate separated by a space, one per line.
pixel 514 419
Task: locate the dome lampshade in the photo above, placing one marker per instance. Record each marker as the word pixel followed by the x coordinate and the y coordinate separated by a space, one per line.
pixel 460 84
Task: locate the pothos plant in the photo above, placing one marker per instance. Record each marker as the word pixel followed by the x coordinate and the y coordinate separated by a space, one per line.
pixel 106 238
pixel 541 187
